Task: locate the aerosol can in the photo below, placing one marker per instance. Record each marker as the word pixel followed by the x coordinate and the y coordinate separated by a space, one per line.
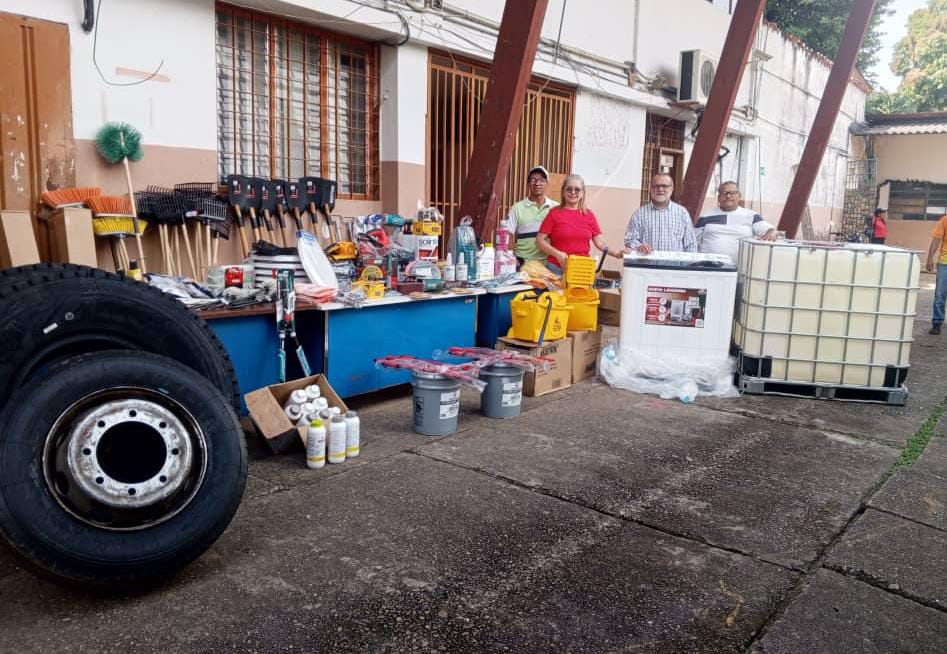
pixel 337 440
pixel 316 445
pixel 353 437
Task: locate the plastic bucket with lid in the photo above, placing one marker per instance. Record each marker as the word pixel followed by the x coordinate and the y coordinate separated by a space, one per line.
pixel 436 403
pixel 504 392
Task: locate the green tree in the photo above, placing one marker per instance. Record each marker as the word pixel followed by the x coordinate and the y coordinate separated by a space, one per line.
pixel 920 60
pixel 820 23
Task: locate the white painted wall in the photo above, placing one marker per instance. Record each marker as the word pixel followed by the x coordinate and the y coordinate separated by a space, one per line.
pixel 608 138
pixel 403 103
pixel 138 35
pixel 911 156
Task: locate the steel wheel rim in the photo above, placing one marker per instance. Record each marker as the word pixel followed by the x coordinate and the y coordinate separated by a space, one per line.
pixel 124 459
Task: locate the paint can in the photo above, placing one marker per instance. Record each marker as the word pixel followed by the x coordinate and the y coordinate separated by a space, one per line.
pixel 504 392
pixel 436 403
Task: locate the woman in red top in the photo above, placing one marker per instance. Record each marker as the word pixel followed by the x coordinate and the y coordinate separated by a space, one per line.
pixel 568 228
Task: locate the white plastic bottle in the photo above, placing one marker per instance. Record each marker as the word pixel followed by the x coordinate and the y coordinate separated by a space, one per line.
pixel 307 408
pixel 450 272
pixel 316 445
pixel 353 436
pixel 320 403
pixel 293 412
pixel 337 440
pixel 460 270
pixel 313 392
pixel 297 397
pixel 486 262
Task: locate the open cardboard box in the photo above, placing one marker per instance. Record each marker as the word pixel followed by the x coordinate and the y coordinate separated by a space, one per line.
pixel 586 347
pixel 559 375
pixel 265 406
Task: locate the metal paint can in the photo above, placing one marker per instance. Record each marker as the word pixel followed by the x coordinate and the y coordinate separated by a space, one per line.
pixel 503 395
pixel 436 403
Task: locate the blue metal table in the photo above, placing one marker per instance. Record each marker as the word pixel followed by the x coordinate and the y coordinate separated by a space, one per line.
pixel 494 318
pixel 342 342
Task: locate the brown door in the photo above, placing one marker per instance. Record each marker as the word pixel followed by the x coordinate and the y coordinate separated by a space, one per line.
pixel 37 152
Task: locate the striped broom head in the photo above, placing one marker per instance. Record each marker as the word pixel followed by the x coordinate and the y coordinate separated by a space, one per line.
pixel 70 197
pixel 111 205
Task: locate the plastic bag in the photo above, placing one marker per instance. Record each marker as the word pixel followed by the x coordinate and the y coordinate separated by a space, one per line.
pixel 666 376
pixel 464 240
pixel 314 261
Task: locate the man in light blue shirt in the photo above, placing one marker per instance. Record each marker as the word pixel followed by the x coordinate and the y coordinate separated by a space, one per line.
pixel 661 224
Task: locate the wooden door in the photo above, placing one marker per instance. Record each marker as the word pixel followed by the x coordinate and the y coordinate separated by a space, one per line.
pixel 37 151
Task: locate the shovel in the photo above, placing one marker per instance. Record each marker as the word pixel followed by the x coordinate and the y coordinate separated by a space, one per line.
pixel 317 204
pixel 237 198
pixel 266 191
pixel 253 203
pixel 279 190
pixel 297 201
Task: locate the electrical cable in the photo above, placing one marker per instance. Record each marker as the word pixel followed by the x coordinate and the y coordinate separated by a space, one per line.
pixel 95 44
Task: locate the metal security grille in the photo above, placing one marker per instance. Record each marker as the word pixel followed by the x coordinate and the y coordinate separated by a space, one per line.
pixel 860 197
pixel 663 152
pixel 917 201
pixel 295 101
pixel 456 93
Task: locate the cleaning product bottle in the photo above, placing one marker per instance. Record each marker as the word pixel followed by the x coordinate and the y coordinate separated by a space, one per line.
pixel 504 236
pixel 460 271
pixel 316 445
pixel 450 272
pixel 486 262
pixel 353 435
pixel 337 439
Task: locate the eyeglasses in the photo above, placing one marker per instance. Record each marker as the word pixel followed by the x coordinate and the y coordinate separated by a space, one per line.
pixel 661 186
pixel 574 189
pixel 729 193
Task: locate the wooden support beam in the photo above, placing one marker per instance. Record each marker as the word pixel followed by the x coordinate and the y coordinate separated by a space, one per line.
pixel 723 93
pixel 512 67
pixel 824 121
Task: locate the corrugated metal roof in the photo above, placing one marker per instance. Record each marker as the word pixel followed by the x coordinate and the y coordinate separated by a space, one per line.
pixel 910 128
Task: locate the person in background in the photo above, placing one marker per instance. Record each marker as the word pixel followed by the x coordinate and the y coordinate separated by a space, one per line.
pixel 937 256
pixel 879 226
pixel 661 224
pixel 569 227
pixel 719 231
pixel 527 215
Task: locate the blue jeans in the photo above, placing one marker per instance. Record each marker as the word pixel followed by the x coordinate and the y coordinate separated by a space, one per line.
pixel 940 294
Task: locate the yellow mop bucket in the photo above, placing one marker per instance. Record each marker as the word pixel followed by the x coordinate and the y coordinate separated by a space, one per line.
pixel 539 316
pixel 584 314
pixel 580 271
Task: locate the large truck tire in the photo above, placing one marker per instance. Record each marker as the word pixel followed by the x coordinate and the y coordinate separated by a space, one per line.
pixel 117 468
pixel 53 311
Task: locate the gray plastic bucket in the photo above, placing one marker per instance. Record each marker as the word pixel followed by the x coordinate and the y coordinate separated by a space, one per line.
pixel 436 403
pixel 504 392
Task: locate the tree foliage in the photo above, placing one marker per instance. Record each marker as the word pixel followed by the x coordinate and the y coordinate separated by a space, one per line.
pixel 820 23
pixel 920 60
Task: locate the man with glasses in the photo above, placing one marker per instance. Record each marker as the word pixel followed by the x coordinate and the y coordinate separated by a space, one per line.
pixel 527 215
pixel 661 224
pixel 720 230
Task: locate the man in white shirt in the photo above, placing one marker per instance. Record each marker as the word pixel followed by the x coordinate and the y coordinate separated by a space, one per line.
pixel 719 231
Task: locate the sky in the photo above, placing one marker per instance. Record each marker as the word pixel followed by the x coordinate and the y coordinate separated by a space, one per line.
pixel 894 28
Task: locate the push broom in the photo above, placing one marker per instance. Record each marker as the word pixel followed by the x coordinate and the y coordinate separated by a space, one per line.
pixel 120 142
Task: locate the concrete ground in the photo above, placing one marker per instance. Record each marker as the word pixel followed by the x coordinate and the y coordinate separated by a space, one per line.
pixel 597 521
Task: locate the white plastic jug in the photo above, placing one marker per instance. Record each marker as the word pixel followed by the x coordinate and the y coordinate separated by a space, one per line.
pixel 486 261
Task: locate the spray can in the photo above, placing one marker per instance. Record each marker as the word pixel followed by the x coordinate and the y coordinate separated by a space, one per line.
pixel 293 412
pixel 460 271
pixel 313 392
pixel 316 445
pixel 353 436
pixel 298 396
pixel 337 440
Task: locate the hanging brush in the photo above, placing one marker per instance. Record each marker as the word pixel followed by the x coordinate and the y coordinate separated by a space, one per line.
pixel 119 142
pixel 112 217
pixel 214 212
pixel 70 197
pixel 195 194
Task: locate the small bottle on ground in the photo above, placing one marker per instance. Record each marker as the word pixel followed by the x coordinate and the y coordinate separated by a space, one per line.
pixel 316 445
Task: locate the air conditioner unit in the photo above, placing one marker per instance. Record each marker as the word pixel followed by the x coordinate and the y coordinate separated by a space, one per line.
pixel 697 75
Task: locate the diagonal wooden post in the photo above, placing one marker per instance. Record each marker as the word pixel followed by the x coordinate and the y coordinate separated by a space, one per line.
pixel 723 93
pixel 496 133
pixel 824 120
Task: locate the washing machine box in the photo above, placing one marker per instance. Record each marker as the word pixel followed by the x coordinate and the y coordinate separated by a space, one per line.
pixel 678 304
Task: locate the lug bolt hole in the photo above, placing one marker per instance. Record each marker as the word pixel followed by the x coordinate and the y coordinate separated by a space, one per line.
pixel 101 423
pixel 100 480
pixel 132 491
pixel 162 425
pixel 132 413
pixel 162 479
pixel 175 451
pixel 86 451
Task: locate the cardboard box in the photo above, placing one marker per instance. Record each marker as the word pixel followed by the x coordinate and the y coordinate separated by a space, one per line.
pixel 559 375
pixel 586 347
pixel 70 236
pixel 265 406
pixel 17 239
pixel 609 308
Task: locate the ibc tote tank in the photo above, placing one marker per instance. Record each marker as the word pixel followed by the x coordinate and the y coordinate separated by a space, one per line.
pixel 826 313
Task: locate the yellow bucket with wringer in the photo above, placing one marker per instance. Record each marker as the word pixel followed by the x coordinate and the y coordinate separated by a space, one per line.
pixel 583 303
pixel 539 316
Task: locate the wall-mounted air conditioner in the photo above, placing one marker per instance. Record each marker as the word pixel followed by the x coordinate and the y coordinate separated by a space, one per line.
pixel 697 75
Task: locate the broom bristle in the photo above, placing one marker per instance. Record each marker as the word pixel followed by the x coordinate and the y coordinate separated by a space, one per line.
pixel 111 205
pixel 65 197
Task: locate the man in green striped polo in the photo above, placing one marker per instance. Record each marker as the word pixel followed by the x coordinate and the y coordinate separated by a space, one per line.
pixel 527 215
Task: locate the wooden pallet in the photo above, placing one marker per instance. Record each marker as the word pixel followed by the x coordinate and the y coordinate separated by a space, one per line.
pixel 763 386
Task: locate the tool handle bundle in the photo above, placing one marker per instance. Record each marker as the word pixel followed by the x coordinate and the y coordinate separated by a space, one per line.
pixel 485 356
pixel 465 373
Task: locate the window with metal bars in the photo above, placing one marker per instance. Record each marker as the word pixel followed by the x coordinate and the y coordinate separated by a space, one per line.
pixel 663 152
pixel 917 201
pixel 295 101
pixel 456 94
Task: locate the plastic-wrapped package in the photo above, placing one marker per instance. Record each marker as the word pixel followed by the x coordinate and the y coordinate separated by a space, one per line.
pixel 314 261
pixel 666 376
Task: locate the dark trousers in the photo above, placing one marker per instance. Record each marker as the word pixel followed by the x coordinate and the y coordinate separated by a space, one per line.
pixel 880 240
